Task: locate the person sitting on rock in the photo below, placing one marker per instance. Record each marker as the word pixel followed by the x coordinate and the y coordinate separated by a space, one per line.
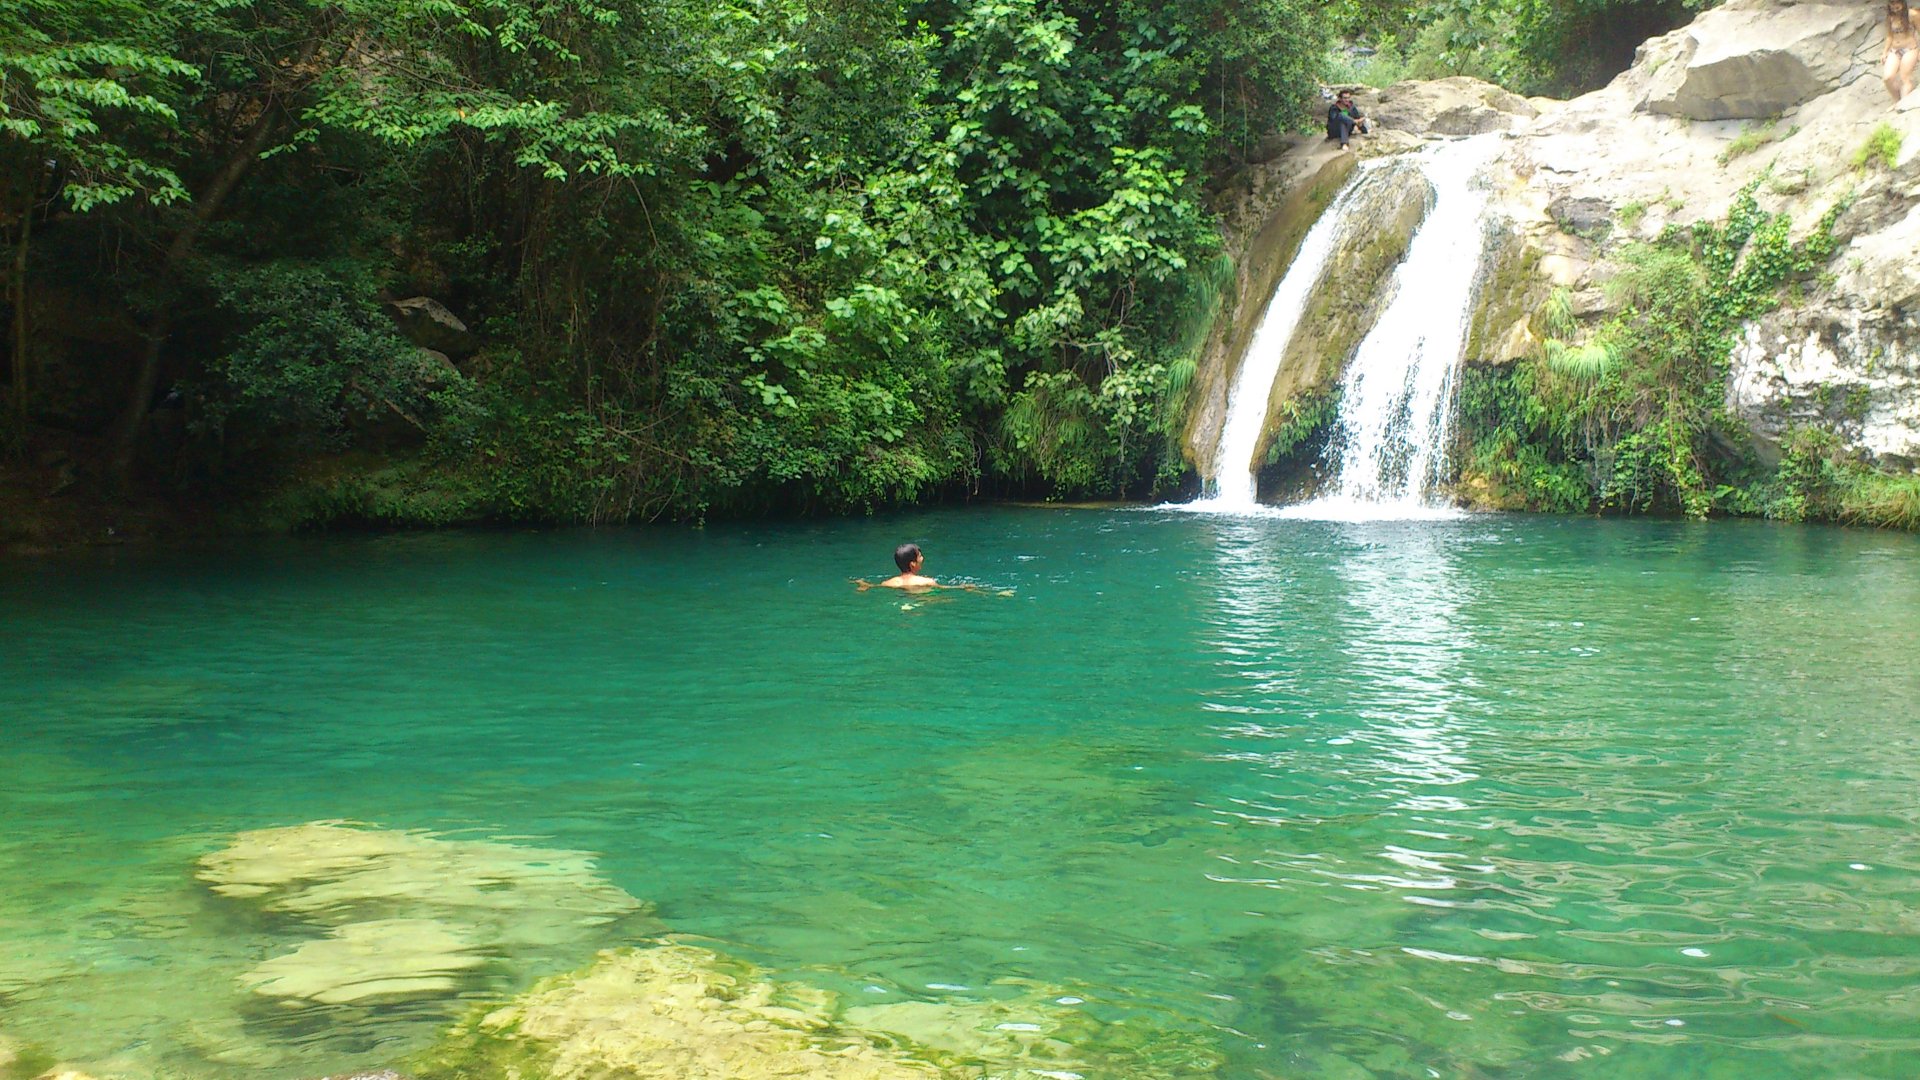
pixel 1903 50
pixel 1344 118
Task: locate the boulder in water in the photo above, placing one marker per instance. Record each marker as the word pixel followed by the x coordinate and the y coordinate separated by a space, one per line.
pixel 334 873
pixel 367 963
pixel 410 915
pixel 673 1012
pixel 679 1011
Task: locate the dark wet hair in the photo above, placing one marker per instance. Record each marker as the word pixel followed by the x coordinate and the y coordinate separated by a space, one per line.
pixel 904 555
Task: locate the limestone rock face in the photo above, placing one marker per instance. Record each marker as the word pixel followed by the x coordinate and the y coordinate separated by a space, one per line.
pixel 1661 146
pixel 1848 360
pixel 1751 60
pixel 1450 107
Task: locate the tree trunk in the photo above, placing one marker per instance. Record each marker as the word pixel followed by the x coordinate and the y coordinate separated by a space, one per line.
pixel 205 206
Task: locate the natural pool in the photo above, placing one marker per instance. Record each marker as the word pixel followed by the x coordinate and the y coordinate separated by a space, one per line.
pixel 1502 796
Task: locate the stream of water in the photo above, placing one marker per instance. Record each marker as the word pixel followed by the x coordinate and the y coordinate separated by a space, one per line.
pixel 1521 797
pixel 1387 455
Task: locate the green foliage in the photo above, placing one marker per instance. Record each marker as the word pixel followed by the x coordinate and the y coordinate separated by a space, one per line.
pixel 1303 422
pixel 1882 148
pixel 1752 137
pixel 725 257
pixel 84 87
pixel 1636 412
pixel 1817 479
pixel 1529 45
pixel 311 352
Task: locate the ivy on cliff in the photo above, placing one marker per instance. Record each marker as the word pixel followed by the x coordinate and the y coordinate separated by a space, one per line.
pixel 1634 418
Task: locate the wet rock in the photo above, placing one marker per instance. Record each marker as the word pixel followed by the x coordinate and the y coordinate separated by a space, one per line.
pixel 1264 226
pixel 427 323
pixel 1382 218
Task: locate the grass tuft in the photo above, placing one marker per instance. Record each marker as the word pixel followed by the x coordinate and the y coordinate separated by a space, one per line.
pixel 1882 148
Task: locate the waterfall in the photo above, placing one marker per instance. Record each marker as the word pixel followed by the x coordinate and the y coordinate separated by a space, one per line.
pixel 1387 454
pixel 1234 470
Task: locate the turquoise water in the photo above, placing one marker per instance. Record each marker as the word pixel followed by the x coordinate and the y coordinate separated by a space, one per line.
pixel 1499 797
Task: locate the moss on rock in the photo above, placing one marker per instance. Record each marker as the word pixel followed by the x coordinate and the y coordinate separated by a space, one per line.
pixel 1506 306
pixel 680 1011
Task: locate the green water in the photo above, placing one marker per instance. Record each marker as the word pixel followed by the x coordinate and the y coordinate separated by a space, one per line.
pixel 1500 797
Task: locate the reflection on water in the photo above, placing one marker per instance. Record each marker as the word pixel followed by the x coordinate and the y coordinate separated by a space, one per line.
pixel 1488 797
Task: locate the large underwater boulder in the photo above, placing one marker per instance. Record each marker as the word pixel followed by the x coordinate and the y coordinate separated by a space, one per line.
pixel 405 915
pixel 675 1010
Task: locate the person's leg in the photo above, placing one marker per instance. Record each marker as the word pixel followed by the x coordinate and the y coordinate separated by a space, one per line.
pixel 1909 59
pixel 1346 130
pixel 1890 72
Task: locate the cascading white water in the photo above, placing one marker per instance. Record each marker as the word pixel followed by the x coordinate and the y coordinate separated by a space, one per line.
pixel 1234 471
pixel 1388 453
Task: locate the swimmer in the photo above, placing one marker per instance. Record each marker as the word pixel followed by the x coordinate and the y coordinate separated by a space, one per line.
pixel 1903 50
pixel 909 559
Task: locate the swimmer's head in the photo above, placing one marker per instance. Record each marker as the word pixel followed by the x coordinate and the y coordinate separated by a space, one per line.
pixel 907 557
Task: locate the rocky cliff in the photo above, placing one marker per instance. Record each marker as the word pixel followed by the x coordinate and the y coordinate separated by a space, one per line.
pixel 1784 97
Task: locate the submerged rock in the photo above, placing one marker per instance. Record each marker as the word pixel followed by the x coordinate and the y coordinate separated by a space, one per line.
pixel 677 1011
pixel 410 915
pixel 334 873
pixel 363 963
